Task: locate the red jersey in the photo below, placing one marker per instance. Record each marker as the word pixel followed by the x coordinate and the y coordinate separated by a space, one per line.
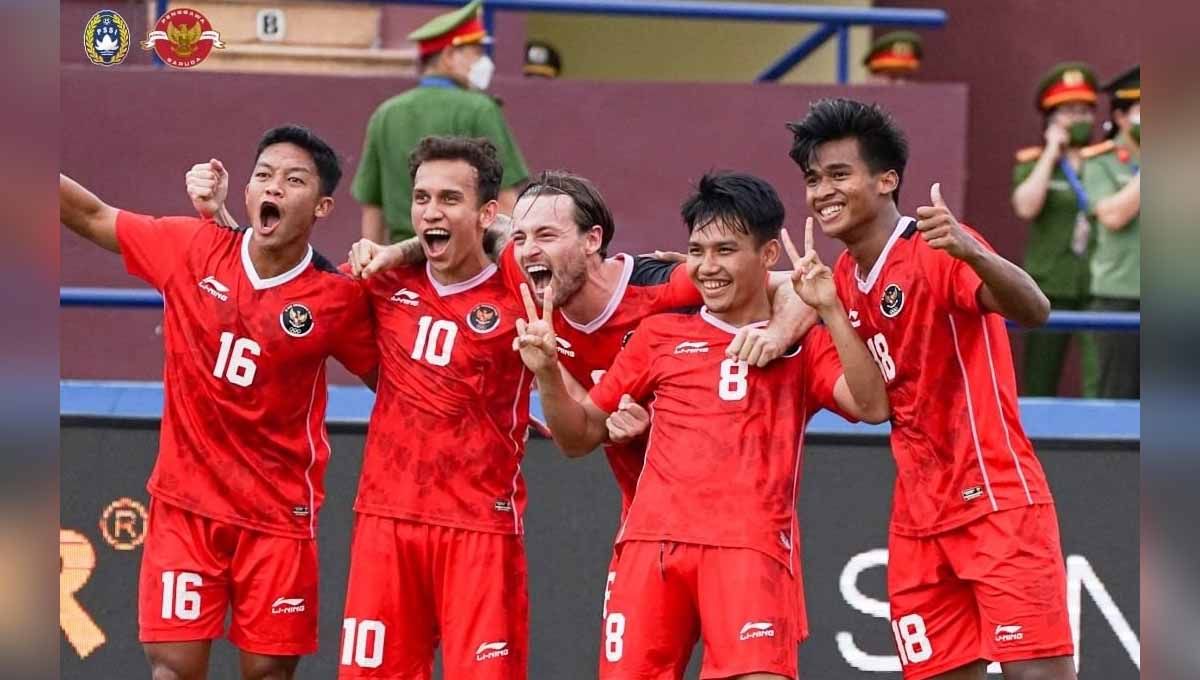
pixel 957 438
pixel 243 429
pixel 723 458
pixel 586 350
pixel 447 434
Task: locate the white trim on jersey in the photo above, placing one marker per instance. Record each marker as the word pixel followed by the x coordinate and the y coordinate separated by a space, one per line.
pixel 517 448
pixel 877 268
pixel 1000 410
pixel 613 302
pixel 728 327
pixel 260 283
pixel 971 412
pixel 796 489
pixel 444 290
pixel 312 450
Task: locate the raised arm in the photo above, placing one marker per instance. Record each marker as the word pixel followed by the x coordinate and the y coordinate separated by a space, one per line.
pixel 368 257
pixel 861 391
pixel 207 187
pixel 1029 196
pixel 1007 289
pixel 81 212
pixel 577 426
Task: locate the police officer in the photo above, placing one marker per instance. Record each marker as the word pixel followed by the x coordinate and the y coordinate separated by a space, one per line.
pixel 542 60
pixel 1113 182
pixel 893 58
pixel 1049 194
pixel 450 100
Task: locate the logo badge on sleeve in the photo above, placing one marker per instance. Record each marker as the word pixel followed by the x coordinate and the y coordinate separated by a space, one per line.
pixel 106 38
pixel 296 320
pixel 483 318
pixel 892 301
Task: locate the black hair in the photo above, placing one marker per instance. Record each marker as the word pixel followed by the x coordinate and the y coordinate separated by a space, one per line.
pixel 881 143
pixel 478 152
pixel 742 202
pixel 590 209
pixel 329 169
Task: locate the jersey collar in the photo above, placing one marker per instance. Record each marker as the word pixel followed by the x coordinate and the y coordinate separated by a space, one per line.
pixel 613 302
pixel 439 81
pixel 866 285
pixel 462 286
pixel 260 283
pixel 728 327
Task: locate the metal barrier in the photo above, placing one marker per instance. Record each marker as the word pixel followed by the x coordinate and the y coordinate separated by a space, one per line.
pixel 140 297
pixel 833 20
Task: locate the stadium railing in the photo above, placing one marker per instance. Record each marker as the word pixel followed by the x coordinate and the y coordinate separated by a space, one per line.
pixel 832 20
pixel 1094 421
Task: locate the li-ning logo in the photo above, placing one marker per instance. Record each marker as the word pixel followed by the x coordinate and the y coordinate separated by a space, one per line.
pixel 691 347
pixel 756 629
pixel 287 605
pixel 406 297
pixel 564 347
pixel 1009 633
pixel 491 650
pixel 215 288
pixel 971 493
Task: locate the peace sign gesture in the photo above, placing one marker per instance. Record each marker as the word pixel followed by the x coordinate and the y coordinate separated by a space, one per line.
pixel 812 280
pixel 535 337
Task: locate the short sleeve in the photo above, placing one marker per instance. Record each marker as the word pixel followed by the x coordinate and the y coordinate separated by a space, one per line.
pixel 489 122
pixel 153 247
pixel 823 368
pixel 367 187
pixel 629 374
pixel 953 281
pixel 674 287
pixel 354 342
pixel 680 291
pixel 510 271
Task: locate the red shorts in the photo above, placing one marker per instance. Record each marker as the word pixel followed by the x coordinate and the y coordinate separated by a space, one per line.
pixel 414 585
pixel 195 568
pixel 993 589
pixel 663 596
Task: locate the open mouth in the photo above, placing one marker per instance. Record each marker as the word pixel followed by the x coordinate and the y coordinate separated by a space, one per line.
pixel 831 211
pixel 436 241
pixel 713 286
pixel 539 275
pixel 268 217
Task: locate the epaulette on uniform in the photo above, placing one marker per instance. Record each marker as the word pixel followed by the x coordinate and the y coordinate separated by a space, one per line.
pixel 1097 149
pixel 1029 153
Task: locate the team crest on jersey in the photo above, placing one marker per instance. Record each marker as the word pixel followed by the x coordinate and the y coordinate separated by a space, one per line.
pixel 106 38
pixel 296 320
pixel 892 301
pixel 483 318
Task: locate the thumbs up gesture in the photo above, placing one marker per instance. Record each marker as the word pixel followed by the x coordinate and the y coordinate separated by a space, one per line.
pixel 207 186
pixel 941 231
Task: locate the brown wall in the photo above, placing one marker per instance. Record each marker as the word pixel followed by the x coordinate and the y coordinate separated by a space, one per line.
pixel 130 135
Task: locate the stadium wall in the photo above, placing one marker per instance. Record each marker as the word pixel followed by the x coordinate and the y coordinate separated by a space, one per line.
pixel 130 134
pixel 570 525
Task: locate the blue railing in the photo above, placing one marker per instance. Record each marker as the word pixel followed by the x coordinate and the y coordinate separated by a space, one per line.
pixel 140 297
pixel 833 20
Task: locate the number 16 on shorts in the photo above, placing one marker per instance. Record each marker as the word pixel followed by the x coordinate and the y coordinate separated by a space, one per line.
pixel 911 639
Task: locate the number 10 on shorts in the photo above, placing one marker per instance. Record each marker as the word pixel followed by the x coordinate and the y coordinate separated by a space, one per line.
pixel 911 639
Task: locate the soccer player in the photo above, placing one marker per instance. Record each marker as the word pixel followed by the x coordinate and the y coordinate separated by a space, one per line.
pixel 708 546
pixel 976 569
pixel 250 317
pixel 437 554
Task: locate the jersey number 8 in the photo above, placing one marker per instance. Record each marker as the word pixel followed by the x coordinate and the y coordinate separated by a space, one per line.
pixel 733 380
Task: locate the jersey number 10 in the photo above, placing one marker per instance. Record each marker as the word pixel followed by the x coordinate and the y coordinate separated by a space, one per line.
pixel 435 340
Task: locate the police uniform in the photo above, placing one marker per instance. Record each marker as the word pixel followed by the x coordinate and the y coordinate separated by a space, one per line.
pixel 1056 255
pixel 438 106
pixel 1116 260
pixel 894 56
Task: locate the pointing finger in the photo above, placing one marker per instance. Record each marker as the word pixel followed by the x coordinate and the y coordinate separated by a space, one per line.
pixel 548 306
pixel 527 298
pixel 808 236
pixel 790 248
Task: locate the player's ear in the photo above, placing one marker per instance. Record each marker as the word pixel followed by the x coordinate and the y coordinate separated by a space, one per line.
pixel 770 252
pixel 593 238
pixel 888 182
pixel 324 207
pixel 487 214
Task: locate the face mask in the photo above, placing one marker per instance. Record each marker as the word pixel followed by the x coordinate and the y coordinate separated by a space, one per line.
pixel 1135 128
pixel 480 75
pixel 1079 133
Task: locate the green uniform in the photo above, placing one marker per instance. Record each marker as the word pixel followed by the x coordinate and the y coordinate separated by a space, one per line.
pixel 437 107
pixel 1116 273
pixel 1063 277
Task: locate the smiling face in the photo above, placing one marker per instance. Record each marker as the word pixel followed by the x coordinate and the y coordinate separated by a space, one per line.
pixel 446 213
pixel 841 191
pixel 283 197
pixel 728 267
pixel 549 247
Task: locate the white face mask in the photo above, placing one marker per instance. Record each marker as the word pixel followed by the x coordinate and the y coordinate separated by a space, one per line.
pixel 480 75
pixel 1136 118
